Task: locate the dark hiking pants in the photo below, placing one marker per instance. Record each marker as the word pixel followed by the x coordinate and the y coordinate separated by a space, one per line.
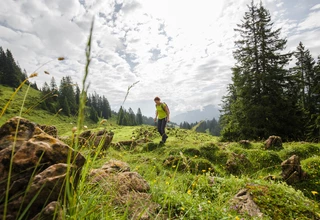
pixel 161 128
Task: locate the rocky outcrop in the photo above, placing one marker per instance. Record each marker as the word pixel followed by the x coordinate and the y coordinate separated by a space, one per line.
pixel 244 204
pixel 101 138
pixel 50 130
pixel 292 171
pixel 273 143
pixel 127 189
pixel 38 166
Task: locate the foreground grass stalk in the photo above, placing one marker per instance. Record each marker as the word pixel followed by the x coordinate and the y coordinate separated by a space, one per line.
pixel 70 194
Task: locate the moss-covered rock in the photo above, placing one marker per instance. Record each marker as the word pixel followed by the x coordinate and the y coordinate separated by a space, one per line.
pixel 278 201
pixel 261 159
pixel 302 150
pixel 238 164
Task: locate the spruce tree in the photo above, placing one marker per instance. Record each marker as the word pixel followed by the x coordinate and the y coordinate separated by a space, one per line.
pixel 139 117
pixel 256 104
pixel 67 94
pixel 131 118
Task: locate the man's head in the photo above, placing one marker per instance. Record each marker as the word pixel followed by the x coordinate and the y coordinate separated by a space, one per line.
pixel 157 100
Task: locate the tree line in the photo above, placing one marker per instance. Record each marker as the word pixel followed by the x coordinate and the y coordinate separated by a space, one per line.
pixel 266 97
pixel 65 98
pixel 129 118
pixel 10 71
pixel 210 126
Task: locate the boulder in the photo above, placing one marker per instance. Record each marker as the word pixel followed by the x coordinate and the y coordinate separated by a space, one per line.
pixel 52 211
pixel 244 204
pixel 292 171
pixel 273 143
pixel 89 138
pixel 38 164
pixel 50 130
pixel 128 189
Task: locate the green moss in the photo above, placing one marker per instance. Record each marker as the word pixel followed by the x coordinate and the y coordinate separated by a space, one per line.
pixel 278 201
pixel 302 150
pixel 263 159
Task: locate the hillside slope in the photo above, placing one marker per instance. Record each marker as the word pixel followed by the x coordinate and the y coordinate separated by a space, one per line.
pixel 32 111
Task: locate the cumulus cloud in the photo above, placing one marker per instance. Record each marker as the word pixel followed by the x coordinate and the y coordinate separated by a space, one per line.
pixel 312 21
pixel 178 50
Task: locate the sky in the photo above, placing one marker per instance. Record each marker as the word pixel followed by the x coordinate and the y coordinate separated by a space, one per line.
pixel 179 50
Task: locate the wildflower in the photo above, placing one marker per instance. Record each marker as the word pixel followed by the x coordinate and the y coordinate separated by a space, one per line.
pixel 46 72
pixel 60 58
pixel 173 166
pixel 195 156
pixel 203 171
pixel 314 192
pixel 237 218
pixel 167 183
pixel 189 191
pixel 33 75
pixel 209 201
pixel 182 208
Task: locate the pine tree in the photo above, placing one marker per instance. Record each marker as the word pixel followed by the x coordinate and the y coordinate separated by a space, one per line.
pixel 93 115
pixel 313 127
pixel 45 93
pixel 120 116
pixel 139 117
pixel 2 65
pixel 12 73
pixel 131 117
pixel 253 108
pixel 65 106
pixel 67 94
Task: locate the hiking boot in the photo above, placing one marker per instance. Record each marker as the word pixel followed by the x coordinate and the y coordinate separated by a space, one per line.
pixel 165 139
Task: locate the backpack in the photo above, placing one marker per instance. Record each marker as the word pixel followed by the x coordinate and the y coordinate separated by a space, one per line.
pixel 162 106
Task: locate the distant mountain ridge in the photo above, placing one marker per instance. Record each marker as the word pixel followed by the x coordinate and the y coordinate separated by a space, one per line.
pixel 208 113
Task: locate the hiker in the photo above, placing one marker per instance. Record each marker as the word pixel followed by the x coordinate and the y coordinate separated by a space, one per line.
pixel 163 115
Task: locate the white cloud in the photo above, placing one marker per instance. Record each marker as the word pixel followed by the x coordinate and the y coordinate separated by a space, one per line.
pixel 178 50
pixel 312 21
pixel 316 7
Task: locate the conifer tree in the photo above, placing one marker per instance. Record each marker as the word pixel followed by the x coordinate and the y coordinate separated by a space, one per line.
pixel 139 117
pixel 256 102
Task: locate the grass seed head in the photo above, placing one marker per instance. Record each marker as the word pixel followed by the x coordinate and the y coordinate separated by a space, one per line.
pixel 33 75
